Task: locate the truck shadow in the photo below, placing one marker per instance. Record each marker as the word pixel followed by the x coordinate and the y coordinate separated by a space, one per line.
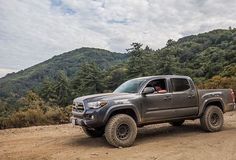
pixel 150 132
pixel 84 141
pixel 145 134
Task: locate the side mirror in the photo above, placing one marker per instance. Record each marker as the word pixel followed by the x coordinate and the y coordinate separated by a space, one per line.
pixel 148 90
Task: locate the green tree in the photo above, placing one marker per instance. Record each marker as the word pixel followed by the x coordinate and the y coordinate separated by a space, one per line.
pixel 57 91
pixel 115 76
pixel 170 42
pixel 31 99
pixel 47 91
pixel 62 89
pixel 140 62
pixel 167 61
pixel 89 80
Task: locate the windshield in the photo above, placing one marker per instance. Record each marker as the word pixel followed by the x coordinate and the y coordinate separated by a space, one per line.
pixel 131 86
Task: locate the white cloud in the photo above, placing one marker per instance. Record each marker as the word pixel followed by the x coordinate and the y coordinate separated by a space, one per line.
pixel 33 31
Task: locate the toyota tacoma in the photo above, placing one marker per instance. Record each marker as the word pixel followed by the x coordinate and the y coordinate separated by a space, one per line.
pixel 149 100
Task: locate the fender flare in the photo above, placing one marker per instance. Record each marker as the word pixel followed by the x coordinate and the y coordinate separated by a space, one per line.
pixel 114 108
pixel 207 101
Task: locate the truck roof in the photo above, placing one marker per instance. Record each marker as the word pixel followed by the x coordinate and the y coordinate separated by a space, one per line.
pixel 163 76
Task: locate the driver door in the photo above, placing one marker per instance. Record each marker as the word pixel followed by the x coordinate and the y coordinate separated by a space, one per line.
pixel 156 105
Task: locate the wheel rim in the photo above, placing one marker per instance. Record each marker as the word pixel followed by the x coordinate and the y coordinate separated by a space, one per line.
pixel 122 131
pixel 214 119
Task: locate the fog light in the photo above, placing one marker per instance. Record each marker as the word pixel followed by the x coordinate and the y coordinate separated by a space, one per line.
pixel 89 117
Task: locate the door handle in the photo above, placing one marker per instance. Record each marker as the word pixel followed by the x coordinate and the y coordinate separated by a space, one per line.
pixel 167 98
pixel 191 96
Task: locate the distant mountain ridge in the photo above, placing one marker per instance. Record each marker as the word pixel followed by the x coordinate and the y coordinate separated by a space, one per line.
pixel 16 84
pixel 200 56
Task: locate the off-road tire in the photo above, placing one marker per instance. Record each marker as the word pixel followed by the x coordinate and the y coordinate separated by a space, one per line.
pixel 121 130
pixel 212 119
pixel 177 123
pixel 93 132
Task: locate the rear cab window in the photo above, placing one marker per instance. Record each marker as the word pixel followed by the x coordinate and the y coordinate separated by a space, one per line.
pixel 180 84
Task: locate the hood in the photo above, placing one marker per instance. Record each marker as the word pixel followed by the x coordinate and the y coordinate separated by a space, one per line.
pixel 105 96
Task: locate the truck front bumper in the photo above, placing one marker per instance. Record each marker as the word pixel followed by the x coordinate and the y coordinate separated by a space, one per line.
pixel 77 121
pixel 85 123
pixel 87 119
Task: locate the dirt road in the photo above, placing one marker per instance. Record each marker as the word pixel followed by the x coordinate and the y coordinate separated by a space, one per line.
pixel 155 142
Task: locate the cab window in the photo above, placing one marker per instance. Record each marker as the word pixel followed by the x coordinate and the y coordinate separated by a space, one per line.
pixel 159 85
pixel 179 84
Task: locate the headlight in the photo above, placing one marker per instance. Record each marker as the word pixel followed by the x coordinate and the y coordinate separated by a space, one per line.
pixel 97 104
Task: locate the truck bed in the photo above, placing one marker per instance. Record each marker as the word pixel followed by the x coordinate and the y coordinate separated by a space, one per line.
pixel 224 94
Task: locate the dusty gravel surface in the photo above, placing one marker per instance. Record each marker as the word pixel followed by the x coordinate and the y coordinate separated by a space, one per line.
pixel 154 142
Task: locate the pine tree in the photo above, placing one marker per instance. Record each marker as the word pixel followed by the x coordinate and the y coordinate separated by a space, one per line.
pixel 141 61
pixel 47 90
pixel 62 89
pixel 89 80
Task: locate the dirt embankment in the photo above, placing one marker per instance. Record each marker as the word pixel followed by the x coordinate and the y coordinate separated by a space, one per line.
pixel 155 142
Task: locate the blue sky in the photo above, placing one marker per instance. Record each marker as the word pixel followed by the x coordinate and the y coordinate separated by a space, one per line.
pixel 33 31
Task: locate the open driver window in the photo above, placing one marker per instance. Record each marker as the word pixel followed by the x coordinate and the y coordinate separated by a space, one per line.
pixel 159 85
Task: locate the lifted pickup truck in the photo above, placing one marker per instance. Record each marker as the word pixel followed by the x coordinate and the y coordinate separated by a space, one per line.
pixel 149 100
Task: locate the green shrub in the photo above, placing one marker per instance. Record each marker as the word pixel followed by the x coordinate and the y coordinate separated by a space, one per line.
pixel 36 116
pixel 56 115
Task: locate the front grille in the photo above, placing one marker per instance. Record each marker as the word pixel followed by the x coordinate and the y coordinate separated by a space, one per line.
pixel 78 107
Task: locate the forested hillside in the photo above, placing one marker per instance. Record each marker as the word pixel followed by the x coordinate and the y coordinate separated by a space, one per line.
pixel 15 85
pixel 49 87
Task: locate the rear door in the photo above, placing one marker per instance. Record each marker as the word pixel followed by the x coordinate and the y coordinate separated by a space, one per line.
pixel 184 97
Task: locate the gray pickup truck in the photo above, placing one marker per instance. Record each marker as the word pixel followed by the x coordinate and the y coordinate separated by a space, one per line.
pixel 148 100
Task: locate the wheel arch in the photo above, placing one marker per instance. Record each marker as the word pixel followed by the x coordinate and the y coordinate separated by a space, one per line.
pixel 120 109
pixel 216 102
